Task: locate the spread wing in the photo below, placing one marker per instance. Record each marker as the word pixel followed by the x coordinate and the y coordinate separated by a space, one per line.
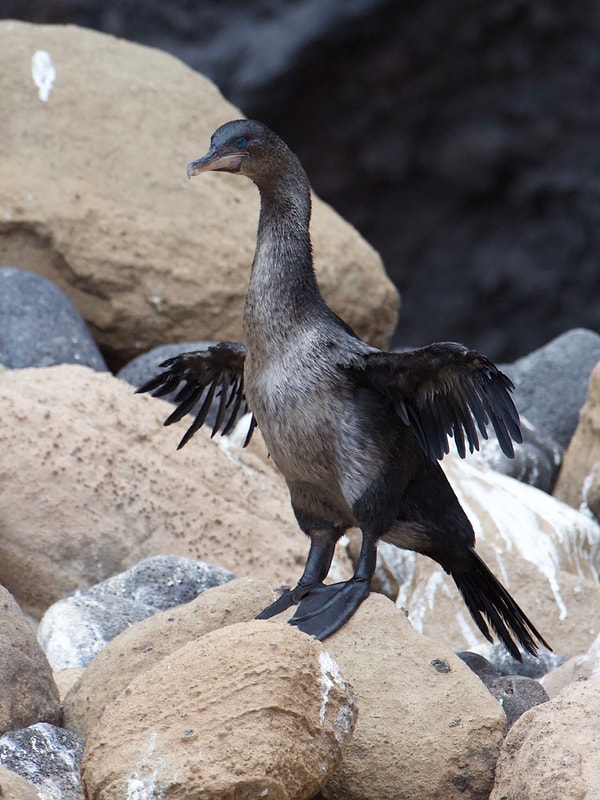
pixel 445 390
pixel 214 373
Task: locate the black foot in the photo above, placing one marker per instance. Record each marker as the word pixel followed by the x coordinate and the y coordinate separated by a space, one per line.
pixel 324 609
pixel 288 599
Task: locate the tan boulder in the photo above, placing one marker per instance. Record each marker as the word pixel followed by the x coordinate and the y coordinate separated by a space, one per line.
pixel 94 196
pixel 578 668
pixel 427 727
pixel 248 711
pixel 101 486
pixel 544 552
pixel 28 693
pixel 14 787
pixel 552 752
pixel 579 479
pixel 141 646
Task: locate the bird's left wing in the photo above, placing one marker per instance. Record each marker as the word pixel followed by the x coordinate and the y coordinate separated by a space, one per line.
pixel 444 390
pixel 218 371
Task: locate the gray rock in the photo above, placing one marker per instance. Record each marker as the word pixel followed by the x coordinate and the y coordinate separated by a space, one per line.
pixel 515 693
pixel 537 459
pixel 39 326
pixel 162 582
pixel 141 369
pixel 551 383
pixel 46 756
pixel 530 667
pixel 75 629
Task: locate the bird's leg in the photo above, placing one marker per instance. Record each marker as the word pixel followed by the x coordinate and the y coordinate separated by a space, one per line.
pixel 316 568
pixel 326 608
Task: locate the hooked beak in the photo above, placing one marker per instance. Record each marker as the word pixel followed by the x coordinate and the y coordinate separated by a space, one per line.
pixel 215 161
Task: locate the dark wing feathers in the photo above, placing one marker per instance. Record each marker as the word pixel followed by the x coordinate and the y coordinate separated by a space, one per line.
pixel 445 390
pixel 217 372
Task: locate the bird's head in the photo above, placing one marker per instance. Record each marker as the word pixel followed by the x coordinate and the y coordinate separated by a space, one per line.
pixel 245 147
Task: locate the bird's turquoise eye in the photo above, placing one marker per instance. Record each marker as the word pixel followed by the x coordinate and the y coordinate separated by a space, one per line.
pixel 240 142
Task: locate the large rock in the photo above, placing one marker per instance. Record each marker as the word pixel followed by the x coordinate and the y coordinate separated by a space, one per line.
pixel 551 752
pixel 251 710
pixel 579 479
pixel 101 486
pixel 140 647
pixel 565 364
pixel 28 693
pixel 98 200
pixel 427 726
pixel 545 552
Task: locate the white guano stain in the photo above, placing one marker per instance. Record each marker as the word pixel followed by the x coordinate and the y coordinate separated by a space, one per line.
pixel 43 73
pixel 532 523
pixel 585 492
pixel 330 677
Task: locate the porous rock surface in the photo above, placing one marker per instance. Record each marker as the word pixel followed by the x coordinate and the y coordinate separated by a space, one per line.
pixel 98 200
pixel 427 726
pixel 251 710
pixel 28 693
pixel 552 752
pixel 141 646
pixel 101 486
pixel 579 479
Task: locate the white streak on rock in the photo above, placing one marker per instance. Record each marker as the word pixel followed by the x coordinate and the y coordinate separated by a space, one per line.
pixel 43 72
pixel 331 677
pixel 532 523
pixel 585 492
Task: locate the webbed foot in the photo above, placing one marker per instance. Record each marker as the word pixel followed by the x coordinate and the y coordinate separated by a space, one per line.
pixel 288 599
pixel 324 609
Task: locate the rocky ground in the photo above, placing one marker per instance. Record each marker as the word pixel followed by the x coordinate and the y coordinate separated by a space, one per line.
pixel 142 568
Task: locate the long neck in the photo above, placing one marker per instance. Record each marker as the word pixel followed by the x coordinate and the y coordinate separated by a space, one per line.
pixel 283 292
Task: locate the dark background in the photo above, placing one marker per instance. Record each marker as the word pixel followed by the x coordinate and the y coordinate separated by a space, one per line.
pixel 461 137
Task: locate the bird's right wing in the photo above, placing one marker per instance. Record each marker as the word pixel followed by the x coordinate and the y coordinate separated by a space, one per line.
pixel 444 390
pixel 218 371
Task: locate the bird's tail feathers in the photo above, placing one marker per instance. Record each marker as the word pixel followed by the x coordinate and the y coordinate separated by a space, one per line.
pixel 487 599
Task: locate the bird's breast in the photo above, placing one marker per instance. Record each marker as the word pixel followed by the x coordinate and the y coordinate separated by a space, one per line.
pixel 307 413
